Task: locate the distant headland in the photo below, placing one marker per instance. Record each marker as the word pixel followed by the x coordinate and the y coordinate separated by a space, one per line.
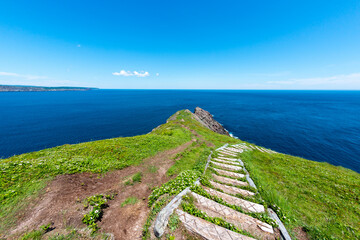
pixel 19 88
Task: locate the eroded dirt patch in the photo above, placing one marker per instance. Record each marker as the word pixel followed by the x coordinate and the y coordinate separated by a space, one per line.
pixel 62 205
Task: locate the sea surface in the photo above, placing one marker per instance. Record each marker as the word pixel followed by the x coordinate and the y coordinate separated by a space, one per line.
pixel 317 125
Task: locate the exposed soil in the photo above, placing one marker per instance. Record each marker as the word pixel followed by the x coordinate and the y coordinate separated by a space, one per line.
pixel 62 204
pixel 300 233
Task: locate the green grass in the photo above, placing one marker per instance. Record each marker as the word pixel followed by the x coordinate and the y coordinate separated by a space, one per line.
pixel 193 158
pixel 320 197
pixel 137 177
pixel 129 201
pixel 173 222
pixel 23 176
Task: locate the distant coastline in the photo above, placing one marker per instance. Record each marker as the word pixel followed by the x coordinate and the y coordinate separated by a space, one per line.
pixel 19 88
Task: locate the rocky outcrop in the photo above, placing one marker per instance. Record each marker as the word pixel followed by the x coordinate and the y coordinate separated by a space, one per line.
pixel 206 119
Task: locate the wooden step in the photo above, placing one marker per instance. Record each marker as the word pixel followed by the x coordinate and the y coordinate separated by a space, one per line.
pixel 227 153
pixel 226 161
pixel 234 149
pixel 207 230
pixel 245 222
pixel 228 173
pixel 244 204
pixel 232 190
pixel 229 181
pixel 226 166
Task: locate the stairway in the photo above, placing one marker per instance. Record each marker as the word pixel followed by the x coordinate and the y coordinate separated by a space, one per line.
pixel 227 197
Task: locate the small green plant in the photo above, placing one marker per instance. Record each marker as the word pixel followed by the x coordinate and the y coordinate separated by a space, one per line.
pixel 46 227
pixel 173 222
pixel 170 237
pixel 129 201
pixel 152 169
pixel 37 234
pixel 137 177
pixel 97 203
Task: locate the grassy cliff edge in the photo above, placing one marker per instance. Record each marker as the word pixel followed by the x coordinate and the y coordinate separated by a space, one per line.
pixel 318 200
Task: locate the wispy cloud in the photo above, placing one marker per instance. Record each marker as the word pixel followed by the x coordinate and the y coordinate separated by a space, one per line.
pixel 352 79
pixel 272 74
pixel 9 78
pixel 131 73
pixel 27 77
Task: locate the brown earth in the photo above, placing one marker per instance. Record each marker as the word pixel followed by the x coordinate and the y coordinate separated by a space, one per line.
pixel 300 233
pixel 62 205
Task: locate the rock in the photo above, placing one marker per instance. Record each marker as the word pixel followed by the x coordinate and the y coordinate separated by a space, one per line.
pixel 205 118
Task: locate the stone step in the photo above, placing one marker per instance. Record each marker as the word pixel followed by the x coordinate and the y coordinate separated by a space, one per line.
pixel 232 190
pixel 207 230
pixel 244 204
pixel 245 222
pixel 226 161
pixel 229 180
pixel 230 174
pixel 226 166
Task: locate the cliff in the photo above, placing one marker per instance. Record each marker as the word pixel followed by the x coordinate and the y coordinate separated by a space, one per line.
pixel 133 178
pixel 206 119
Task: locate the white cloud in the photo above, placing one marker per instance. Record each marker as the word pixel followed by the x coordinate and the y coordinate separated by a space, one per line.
pixel 133 73
pixel 157 74
pixel 28 77
pixel 338 80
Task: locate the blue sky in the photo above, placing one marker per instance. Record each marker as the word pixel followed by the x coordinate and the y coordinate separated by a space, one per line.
pixel 181 44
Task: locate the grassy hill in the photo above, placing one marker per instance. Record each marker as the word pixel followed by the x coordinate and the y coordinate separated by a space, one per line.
pixel 319 200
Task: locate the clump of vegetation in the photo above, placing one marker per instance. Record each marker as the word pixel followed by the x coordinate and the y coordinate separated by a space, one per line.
pixel 173 222
pixel 152 169
pixel 175 186
pixel 129 201
pixel 97 203
pixel 37 234
pixel 136 178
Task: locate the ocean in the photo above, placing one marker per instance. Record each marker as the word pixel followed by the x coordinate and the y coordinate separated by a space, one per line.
pixel 317 125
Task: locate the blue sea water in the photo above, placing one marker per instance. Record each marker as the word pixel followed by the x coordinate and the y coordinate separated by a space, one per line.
pixel 317 125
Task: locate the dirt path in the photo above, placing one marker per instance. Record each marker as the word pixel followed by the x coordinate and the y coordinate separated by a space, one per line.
pixel 62 204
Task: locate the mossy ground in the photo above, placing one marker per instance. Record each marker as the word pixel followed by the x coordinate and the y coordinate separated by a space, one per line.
pixel 318 197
